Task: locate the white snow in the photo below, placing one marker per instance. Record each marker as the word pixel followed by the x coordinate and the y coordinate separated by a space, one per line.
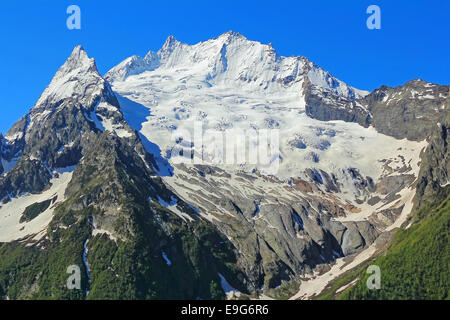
pixel 411 152
pixel 348 285
pixel 172 206
pixel 232 85
pixel 9 165
pixel 408 203
pixel 10 213
pixel 445 184
pixel 97 231
pixel 74 76
pixel 104 123
pixel 16 136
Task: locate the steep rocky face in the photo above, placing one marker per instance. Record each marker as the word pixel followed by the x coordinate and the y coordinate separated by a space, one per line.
pixel 434 173
pixel 326 105
pixel 410 111
pixel 281 231
pixel 76 105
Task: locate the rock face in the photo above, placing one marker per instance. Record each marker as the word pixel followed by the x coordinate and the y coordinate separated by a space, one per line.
pixel 434 172
pixel 410 111
pixel 49 137
pixel 417 110
pixel 357 236
pixel 325 106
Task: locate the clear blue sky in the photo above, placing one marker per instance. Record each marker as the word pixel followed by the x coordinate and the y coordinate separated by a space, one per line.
pixel 414 40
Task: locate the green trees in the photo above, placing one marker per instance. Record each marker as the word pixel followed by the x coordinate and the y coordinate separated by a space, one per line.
pixel 215 291
pixel 415 266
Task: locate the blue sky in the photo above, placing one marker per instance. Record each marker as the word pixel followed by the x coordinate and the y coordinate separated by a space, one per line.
pixel 414 40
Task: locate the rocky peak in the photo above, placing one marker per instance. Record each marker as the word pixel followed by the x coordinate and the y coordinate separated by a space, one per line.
pixel 76 106
pixel 77 79
pixel 408 111
pixel 130 66
pixel 232 57
pixel 169 46
pixel 151 58
pixel 232 36
pixel 79 59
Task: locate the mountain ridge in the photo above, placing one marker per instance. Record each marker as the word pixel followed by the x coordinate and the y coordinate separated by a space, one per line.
pixel 174 47
pixel 104 145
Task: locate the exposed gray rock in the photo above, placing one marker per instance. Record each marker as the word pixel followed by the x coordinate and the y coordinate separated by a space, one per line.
pixel 433 182
pixel 357 236
pixel 325 106
pixel 410 111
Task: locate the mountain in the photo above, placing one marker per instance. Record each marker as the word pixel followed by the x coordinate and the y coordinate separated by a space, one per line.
pixel 109 173
pixel 105 198
pixel 415 263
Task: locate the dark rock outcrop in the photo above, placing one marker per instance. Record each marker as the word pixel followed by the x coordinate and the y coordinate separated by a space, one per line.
pixel 409 111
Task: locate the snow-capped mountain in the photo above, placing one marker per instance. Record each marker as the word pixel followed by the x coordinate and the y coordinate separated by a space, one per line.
pixel 102 173
pixel 230 58
pixel 230 83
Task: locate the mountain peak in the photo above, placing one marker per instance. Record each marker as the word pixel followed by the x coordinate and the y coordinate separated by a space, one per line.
pixel 78 59
pixel 170 44
pixel 229 57
pixel 78 50
pixel 232 35
pixel 417 81
pixel 76 74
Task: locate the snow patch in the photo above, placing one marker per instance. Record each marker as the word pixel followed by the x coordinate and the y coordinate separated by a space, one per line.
pixel 10 213
pixel 172 206
pixel 9 165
